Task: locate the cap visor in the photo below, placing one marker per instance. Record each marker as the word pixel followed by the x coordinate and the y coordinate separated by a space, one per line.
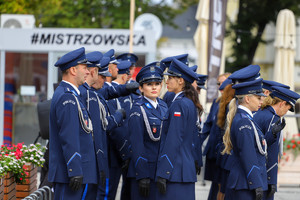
pixel 114 62
pixel 152 80
pixel 202 87
pixel 260 94
pixel 107 74
pixel 84 62
pixel 169 74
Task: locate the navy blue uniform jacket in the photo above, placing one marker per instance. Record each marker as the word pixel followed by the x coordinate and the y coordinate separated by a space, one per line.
pixel 69 155
pixel 176 162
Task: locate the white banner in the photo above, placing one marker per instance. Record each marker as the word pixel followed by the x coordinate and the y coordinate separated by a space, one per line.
pixel 62 39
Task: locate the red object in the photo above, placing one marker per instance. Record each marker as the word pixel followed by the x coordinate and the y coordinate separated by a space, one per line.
pixel 177 114
pixel 294 146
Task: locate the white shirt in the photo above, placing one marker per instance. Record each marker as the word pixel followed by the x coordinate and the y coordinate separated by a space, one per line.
pixel 153 103
pixel 246 109
pixel 177 95
pixel 75 88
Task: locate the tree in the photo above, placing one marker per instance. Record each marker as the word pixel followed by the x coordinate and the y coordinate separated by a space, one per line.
pixel 92 13
pixel 252 19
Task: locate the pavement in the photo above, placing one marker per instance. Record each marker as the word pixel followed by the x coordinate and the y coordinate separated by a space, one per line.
pixel 291 192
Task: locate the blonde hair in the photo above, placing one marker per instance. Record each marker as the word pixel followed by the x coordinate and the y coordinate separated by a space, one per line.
pixel 270 101
pixel 232 111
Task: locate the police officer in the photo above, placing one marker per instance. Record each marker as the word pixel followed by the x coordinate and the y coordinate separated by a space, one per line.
pixel 165 64
pixel 267 86
pixel 248 176
pixel 176 173
pixel 72 166
pixel 270 120
pixel 144 125
pixel 131 58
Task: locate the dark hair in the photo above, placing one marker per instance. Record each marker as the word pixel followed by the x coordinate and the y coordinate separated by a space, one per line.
pixel 191 93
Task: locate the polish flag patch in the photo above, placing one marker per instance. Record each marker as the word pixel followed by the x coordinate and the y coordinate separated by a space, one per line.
pixel 177 114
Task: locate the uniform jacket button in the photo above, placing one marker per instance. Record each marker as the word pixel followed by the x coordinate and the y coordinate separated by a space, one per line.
pixel 123 155
pixel 70 170
pixel 250 183
pixel 269 178
pixel 136 174
pixel 168 172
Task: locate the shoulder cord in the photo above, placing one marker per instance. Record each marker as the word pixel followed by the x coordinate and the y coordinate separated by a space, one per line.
pixel 148 126
pixel 102 114
pixel 89 128
pixel 130 100
pixel 198 124
pixel 118 104
pixel 261 151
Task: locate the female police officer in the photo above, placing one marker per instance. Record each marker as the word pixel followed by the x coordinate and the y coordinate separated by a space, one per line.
pixel 270 120
pixel 176 161
pixel 144 126
pixel 248 176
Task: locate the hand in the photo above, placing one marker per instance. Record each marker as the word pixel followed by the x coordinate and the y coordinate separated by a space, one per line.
pixel 271 190
pixel 125 165
pixel 162 185
pixel 102 178
pixel 123 112
pixel 198 168
pixel 259 193
pixel 277 127
pixel 144 187
pixel 132 87
pixel 75 182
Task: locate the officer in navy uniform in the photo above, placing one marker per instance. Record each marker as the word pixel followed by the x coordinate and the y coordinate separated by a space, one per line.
pixel 144 125
pixel 133 59
pixel 245 141
pixel 267 86
pixel 72 166
pixel 201 79
pixel 270 120
pixel 176 173
pixel 165 64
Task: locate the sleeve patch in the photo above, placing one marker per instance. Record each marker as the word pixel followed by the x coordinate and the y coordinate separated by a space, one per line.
pixel 245 126
pixel 68 101
pixel 135 113
pixel 177 114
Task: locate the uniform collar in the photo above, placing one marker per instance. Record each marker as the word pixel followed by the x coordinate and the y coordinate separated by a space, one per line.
pixel 116 82
pixel 153 103
pixel 75 88
pixel 177 95
pixel 246 110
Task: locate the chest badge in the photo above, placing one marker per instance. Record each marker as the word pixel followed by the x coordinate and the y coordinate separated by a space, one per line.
pixel 154 129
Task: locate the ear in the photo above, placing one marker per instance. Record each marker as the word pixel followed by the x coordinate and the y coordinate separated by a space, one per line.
pixel 247 99
pixel 72 70
pixel 181 81
pixel 141 88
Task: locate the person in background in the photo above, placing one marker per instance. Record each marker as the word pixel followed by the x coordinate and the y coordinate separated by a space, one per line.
pixel 270 119
pixel 210 129
pixel 145 131
pixel 176 172
pixel 72 166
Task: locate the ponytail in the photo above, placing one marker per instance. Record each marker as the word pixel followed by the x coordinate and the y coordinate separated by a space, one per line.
pixel 226 138
pixel 191 93
pixel 225 99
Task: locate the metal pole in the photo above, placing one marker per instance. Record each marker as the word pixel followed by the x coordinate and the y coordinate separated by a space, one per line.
pixel 132 9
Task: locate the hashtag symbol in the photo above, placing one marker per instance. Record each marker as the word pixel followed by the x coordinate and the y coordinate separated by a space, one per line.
pixel 34 38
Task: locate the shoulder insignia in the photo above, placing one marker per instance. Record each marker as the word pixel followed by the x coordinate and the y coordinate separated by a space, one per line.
pixel 245 126
pixel 135 113
pixel 177 114
pixel 148 105
pixel 68 101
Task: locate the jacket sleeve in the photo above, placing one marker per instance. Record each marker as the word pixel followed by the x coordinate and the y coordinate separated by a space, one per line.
pixel 136 132
pixel 68 119
pixel 111 92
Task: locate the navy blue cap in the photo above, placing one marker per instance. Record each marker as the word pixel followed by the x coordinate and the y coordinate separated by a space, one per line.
pixel 94 58
pixel 286 95
pixel 251 87
pixel 194 68
pixel 123 67
pixel 245 74
pixel 268 85
pixel 72 59
pixel 180 69
pixel 150 73
pixel 111 55
pixel 104 62
pixel 129 57
pixel 166 62
pixel 225 83
pixel 201 81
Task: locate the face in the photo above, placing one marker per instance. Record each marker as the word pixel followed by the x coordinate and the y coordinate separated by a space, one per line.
pixel 81 73
pixel 174 84
pixel 254 102
pixel 93 76
pixel 151 90
pixel 131 71
pixel 283 108
pixel 113 70
pixel 100 82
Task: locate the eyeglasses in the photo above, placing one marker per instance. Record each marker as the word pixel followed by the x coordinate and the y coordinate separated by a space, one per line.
pixel 218 84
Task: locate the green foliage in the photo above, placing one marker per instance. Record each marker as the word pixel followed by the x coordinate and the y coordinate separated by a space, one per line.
pixel 92 13
pixel 253 17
